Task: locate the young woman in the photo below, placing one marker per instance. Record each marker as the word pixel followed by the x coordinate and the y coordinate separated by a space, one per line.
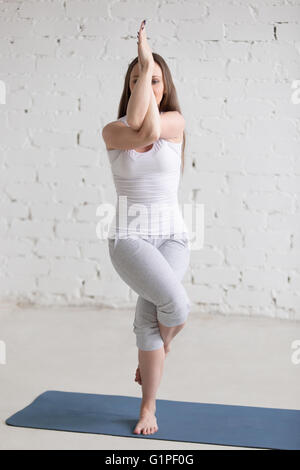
pixel 145 152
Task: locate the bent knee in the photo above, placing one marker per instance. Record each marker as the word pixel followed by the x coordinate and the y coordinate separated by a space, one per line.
pixel 175 311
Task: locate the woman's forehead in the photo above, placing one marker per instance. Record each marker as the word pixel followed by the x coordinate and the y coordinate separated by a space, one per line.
pixel 156 71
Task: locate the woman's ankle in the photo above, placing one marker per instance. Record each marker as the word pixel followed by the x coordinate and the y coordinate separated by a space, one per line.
pixel 148 406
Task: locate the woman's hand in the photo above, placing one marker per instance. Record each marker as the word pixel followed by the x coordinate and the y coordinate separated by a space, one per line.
pixel 145 57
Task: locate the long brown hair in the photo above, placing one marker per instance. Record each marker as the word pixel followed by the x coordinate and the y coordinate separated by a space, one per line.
pixel 169 100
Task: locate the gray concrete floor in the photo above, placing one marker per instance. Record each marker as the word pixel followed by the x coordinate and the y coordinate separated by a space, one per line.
pixel 215 359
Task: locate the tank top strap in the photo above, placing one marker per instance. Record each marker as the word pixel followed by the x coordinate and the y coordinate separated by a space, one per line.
pixel 123 119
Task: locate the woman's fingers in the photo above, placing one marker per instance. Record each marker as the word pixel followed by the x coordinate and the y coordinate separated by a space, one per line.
pixel 141 32
pixel 142 27
pixel 141 35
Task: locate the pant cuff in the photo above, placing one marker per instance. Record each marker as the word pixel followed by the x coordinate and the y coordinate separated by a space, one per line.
pixel 169 320
pixel 149 344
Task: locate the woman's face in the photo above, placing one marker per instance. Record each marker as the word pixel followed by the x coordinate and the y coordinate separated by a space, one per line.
pixel 157 81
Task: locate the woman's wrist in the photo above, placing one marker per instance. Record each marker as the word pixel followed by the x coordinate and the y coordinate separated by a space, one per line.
pixel 139 99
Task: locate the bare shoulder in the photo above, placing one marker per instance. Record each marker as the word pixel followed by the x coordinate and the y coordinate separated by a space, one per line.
pixel 176 140
pixel 172 126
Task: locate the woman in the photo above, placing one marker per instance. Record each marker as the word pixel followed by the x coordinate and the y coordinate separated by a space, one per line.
pixel 145 151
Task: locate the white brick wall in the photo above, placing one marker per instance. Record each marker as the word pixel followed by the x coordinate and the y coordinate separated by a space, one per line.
pixel 233 63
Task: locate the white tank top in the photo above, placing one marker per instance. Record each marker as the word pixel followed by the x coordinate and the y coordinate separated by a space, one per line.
pixel 147 185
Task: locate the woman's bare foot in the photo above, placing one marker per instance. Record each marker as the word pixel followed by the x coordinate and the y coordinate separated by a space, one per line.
pixel 138 377
pixel 147 423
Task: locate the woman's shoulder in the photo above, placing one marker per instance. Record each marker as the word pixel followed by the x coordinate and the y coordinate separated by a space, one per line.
pixel 176 140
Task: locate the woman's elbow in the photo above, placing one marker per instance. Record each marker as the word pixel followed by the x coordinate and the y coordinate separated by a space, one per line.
pixel 134 124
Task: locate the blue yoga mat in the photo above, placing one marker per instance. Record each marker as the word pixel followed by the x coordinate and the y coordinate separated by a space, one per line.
pixel 206 423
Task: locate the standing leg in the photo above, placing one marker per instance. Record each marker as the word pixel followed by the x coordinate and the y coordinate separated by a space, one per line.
pixel 149 274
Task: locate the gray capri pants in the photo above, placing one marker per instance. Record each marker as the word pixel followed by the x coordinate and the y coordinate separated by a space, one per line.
pixel 154 268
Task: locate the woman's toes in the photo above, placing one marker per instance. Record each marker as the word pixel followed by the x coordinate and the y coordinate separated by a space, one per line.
pixel 138 376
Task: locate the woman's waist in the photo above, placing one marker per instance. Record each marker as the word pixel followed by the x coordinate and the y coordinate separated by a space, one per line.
pixel 162 200
pixel 147 187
